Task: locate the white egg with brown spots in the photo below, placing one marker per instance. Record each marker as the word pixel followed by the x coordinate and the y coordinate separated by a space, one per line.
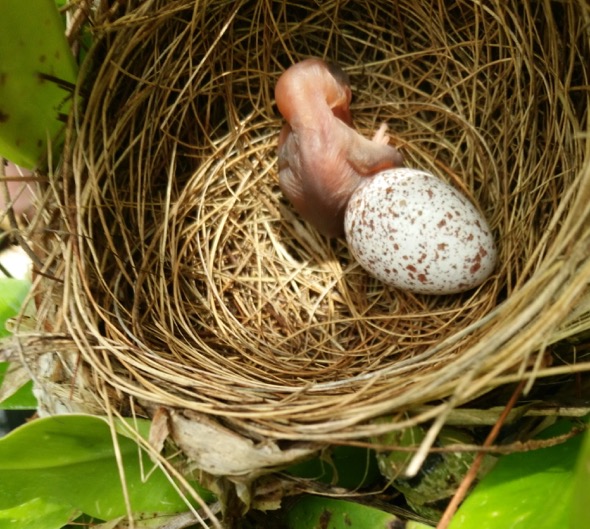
pixel 414 231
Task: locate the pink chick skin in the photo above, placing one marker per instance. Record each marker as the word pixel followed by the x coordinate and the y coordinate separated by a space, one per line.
pixel 322 158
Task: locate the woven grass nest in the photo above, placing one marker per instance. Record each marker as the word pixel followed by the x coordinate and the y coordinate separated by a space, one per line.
pixel 174 275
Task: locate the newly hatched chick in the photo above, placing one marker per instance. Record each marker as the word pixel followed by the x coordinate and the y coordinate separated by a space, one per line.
pixel 322 158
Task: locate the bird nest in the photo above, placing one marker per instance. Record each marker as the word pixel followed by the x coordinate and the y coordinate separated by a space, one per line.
pixel 173 274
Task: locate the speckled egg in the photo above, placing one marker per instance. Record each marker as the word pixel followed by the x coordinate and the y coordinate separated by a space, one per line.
pixel 414 231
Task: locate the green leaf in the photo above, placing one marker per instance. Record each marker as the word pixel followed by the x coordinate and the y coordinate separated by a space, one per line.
pixel 312 512
pixel 12 295
pixel 581 496
pixel 22 399
pixel 344 466
pixel 437 481
pixel 69 460
pixel 35 514
pixel 34 53
pixel 524 491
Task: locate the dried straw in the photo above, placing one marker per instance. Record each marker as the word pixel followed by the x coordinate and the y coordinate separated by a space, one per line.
pixel 184 279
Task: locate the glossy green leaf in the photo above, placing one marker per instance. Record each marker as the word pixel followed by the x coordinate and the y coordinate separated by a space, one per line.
pixel 35 65
pixel 70 461
pixel 580 516
pixel 529 490
pixel 313 512
pixel 36 514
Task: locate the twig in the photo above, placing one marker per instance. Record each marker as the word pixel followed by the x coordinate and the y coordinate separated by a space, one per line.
pixel 474 469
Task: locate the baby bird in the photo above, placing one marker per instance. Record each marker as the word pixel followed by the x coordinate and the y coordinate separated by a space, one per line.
pixel 322 158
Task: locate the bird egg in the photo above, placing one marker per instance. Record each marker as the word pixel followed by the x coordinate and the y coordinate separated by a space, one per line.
pixel 416 232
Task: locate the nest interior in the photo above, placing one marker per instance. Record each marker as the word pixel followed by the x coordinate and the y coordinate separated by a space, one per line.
pixel 173 265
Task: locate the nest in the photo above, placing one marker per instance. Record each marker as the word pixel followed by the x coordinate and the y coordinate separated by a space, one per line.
pixel 173 273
